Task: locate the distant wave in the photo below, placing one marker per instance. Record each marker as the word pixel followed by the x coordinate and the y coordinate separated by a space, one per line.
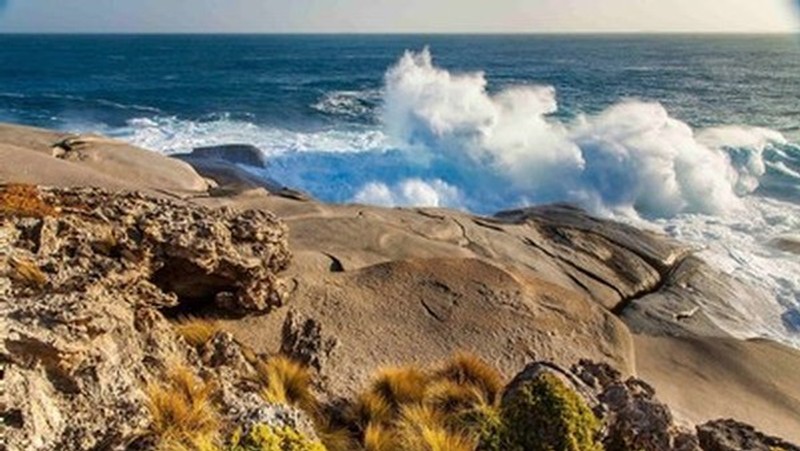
pixel 350 104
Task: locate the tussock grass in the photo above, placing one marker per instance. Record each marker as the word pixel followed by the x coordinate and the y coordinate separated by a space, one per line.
pixel 466 369
pixel 451 408
pixel 27 272
pixel 183 413
pixel 400 386
pixel 285 381
pixel 423 428
pixel 370 409
pixel 196 331
pixel 381 438
pixel 335 438
pixel 451 397
pixel 24 200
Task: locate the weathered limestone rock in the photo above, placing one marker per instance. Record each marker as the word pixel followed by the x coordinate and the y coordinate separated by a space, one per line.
pixel 83 288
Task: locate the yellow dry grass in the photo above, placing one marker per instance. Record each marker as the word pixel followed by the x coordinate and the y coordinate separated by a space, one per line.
pixel 183 413
pixel 196 331
pixel 335 439
pixel 285 381
pixel 400 386
pixel 422 428
pixel 24 200
pixel 451 398
pixel 466 369
pixel 381 438
pixel 370 409
pixel 26 272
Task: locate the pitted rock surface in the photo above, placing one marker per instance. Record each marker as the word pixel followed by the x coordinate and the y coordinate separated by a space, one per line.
pixel 82 298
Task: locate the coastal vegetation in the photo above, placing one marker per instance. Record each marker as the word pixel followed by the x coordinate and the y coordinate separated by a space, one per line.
pixel 456 406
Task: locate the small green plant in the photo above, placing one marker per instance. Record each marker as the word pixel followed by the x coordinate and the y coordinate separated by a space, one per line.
pixel 183 413
pixel 262 437
pixel 544 414
pixel 485 422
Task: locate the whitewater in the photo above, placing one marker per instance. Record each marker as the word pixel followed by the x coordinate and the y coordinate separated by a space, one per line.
pixel 443 139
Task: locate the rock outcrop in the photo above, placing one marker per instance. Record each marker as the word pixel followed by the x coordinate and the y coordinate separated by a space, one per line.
pixel 633 417
pixel 86 279
pixel 731 435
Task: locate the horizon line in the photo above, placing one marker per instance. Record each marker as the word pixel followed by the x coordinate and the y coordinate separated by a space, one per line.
pixel 401 33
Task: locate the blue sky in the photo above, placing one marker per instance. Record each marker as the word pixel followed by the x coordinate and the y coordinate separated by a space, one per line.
pixel 398 15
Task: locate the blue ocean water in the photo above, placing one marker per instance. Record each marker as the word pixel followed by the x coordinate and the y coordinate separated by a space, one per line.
pixel 694 135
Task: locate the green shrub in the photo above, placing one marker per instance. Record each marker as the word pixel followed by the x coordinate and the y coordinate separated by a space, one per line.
pixel 545 415
pixel 265 438
pixel 485 422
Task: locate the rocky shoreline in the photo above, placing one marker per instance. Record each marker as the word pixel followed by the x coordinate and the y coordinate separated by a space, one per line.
pixel 106 248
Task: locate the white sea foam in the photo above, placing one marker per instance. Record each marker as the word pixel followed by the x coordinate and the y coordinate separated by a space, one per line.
pixel 740 246
pixel 172 135
pixel 632 158
pixel 410 192
pixel 455 144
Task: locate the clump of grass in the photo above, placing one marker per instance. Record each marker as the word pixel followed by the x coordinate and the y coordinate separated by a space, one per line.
pixel 467 369
pixel 262 437
pixel 335 438
pixel 381 438
pixel 183 413
pixel 408 408
pixel 24 200
pixel 485 422
pixel 400 386
pixel 423 428
pixel 196 331
pixel 544 414
pixel 27 272
pixel 285 381
pixel 370 408
pixel 451 397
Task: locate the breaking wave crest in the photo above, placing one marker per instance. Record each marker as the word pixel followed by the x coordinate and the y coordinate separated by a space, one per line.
pixel 632 159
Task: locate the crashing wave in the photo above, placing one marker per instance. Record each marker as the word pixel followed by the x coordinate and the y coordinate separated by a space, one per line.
pixel 632 159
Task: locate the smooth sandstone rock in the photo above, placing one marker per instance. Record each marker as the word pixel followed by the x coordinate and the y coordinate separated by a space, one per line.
pixel 28 157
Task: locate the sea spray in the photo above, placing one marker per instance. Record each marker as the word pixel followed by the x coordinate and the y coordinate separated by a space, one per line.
pixel 632 158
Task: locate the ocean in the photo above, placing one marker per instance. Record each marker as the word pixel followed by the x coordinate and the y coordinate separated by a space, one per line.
pixel 695 136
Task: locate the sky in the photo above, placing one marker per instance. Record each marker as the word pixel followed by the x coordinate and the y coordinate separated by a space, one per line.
pixel 479 16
